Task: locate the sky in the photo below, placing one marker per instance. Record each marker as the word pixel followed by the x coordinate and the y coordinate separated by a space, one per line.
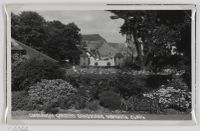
pixel 90 22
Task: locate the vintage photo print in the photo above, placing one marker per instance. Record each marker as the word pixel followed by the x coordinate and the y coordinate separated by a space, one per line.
pixel 130 63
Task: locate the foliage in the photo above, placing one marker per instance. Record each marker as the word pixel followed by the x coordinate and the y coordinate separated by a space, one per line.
pixel 187 78
pixel 53 93
pixel 128 64
pixel 50 107
pixel 145 104
pixel 178 83
pixel 86 93
pixel 93 105
pixel 17 60
pixel 155 81
pixel 63 41
pixel 53 38
pixel 154 33
pixel 33 70
pixel 110 100
pixel 20 101
pixel 28 27
pixel 90 85
pixel 170 97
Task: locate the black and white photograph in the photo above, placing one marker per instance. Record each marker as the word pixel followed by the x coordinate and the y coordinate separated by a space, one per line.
pixel 101 64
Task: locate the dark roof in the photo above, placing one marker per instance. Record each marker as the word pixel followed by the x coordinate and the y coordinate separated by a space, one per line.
pixel 93 37
pixel 32 52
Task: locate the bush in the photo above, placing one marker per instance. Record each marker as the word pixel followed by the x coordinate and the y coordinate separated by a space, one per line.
pixel 90 85
pixel 84 95
pixel 17 59
pixel 155 81
pixel 94 84
pixel 93 105
pixel 51 107
pixel 110 99
pixel 187 78
pixel 53 92
pixel 129 64
pixel 178 83
pixel 20 101
pixel 33 70
pixel 169 97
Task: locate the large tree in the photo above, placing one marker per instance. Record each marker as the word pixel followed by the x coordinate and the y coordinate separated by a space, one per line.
pixel 53 38
pixel 63 41
pixel 154 33
pixel 28 27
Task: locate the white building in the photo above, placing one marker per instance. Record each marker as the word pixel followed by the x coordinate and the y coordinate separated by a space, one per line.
pixel 101 62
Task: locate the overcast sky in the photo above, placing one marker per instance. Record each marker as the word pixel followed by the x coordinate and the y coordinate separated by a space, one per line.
pixel 90 22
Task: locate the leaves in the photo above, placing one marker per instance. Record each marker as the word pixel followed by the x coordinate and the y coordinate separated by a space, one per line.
pixel 53 38
pixel 158 31
pixel 33 70
pixel 53 92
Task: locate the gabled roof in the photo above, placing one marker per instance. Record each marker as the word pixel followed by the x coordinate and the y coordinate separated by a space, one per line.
pixel 31 52
pixel 105 50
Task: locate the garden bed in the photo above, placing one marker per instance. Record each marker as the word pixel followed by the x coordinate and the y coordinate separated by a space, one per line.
pixel 104 93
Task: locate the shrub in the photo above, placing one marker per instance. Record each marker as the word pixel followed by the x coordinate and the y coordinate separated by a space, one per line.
pixel 20 101
pixel 178 83
pixel 110 100
pixel 187 78
pixel 145 104
pixel 129 64
pixel 170 97
pixel 90 85
pixel 53 92
pixel 155 81
pixel 93 105
pixel 94 84
pixel 129 85
pixel 84 95
pixel 33 70
pixel 51 107
pixel 17 59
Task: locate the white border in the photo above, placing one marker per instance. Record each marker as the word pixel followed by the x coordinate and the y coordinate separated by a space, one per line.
pixel 101 6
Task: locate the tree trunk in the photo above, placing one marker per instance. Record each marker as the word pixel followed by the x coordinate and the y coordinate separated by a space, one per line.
pixel 148 59
pixel 138 47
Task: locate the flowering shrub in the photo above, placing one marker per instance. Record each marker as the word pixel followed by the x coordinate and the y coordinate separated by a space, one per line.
pixel 171 98
pixel 53 92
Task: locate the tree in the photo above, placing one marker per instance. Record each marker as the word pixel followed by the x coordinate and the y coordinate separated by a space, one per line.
pixel 63 41
pixel 53 38
pixel 15 24
pixel 153 33
pixel 28 27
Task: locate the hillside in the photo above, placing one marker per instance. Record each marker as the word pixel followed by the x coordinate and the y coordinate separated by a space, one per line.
pixel 105 49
